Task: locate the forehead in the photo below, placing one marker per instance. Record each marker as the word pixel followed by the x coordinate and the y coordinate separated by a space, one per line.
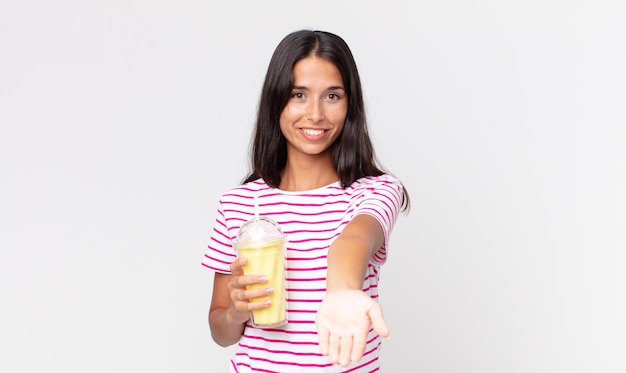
pixel 314 69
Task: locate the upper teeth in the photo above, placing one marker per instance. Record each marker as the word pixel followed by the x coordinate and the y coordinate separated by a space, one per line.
pixel 312 132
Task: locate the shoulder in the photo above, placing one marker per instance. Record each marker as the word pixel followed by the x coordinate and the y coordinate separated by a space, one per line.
pixel 374 182
pixel 385 190
pixel 243 192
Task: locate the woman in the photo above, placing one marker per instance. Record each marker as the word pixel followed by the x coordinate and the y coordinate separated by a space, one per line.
pixel 314 172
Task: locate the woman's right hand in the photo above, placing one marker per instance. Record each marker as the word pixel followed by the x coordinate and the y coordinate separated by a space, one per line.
pixel 241 299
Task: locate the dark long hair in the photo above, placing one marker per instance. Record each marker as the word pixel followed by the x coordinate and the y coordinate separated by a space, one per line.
pixel 352 153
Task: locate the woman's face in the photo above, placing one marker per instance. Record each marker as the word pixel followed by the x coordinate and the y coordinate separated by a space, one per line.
pixel 315 113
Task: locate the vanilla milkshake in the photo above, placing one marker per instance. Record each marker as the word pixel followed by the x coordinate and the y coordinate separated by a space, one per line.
pixel 267 258
pixel 262 243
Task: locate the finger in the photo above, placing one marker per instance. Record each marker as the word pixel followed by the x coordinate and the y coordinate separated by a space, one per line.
pixel 334 345
pixel 259 298
pixel 378 322
pixel 235 284
pixel 323 337
pixel 238 300
pixel 236 267
pixel 345 352
pixel 251 295
pixel 259 305
pixel 248 282
pixel 359 341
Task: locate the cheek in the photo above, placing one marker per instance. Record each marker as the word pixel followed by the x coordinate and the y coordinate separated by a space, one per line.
pixel 290 113
pixel 283 119
pixel 282 124
pixel 286 122
pixel 338 116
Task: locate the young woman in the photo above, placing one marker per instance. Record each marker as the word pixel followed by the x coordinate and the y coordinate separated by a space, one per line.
pixel 314 172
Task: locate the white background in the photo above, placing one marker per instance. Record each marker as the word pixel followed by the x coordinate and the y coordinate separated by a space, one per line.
pixel 121 122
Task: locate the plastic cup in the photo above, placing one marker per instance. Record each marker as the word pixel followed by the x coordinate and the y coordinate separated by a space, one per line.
pixel 262 243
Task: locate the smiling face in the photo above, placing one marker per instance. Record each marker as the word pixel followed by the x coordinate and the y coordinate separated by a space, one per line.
pixel 315 113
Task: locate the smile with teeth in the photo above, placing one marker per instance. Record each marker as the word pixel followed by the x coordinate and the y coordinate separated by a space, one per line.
pixel 312 132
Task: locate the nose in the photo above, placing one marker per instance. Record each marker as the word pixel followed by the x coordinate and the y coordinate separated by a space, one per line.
pixel 315 111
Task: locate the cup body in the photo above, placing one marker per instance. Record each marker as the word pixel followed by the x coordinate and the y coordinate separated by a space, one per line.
pixel 266 257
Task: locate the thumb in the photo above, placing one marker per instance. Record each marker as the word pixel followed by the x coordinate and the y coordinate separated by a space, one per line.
pixel 378 322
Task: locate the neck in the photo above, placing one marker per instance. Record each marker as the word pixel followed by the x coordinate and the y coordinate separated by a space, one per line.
pixel 307 174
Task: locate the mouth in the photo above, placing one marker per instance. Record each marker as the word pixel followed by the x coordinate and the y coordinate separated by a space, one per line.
pixel 313 132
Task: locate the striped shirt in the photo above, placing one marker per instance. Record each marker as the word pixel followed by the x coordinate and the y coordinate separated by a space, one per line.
pixel 311 220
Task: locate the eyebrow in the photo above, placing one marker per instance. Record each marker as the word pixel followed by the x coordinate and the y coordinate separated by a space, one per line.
pixel 331 88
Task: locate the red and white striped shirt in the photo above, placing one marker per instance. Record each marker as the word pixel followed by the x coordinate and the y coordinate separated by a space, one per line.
pixel 311 220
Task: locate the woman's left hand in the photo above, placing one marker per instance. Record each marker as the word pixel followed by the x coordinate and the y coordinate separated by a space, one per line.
pixel 343 322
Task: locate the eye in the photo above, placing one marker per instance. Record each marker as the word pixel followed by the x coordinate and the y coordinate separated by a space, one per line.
pixel 334 96
pixel 297 95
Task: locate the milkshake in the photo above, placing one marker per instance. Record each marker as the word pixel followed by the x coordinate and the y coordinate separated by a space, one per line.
pixel 262 243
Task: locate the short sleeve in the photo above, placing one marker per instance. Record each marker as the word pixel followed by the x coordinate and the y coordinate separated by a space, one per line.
pixel 382 199
pixel 220 252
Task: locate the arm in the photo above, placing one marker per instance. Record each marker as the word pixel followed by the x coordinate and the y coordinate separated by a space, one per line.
pixel 350 252
pixel 343 335
pixel 230 307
